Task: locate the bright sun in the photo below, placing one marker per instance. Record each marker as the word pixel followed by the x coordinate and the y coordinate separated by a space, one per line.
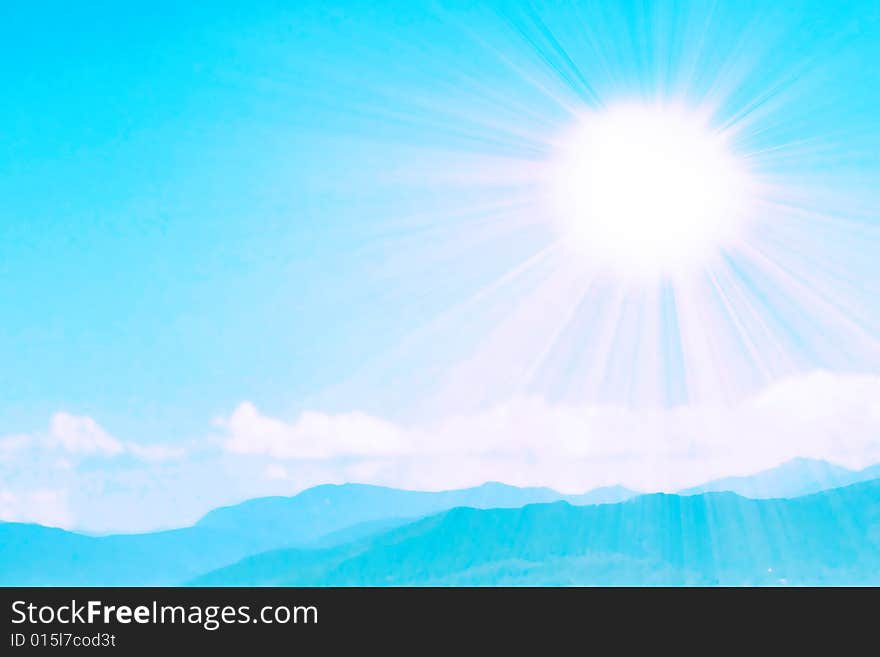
pixel 647 189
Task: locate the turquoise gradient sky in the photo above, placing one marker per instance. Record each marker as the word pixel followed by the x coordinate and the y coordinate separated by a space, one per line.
pixel 207 204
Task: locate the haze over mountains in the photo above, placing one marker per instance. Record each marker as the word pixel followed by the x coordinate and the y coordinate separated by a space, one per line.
pixel 323 510
pixel 494 534
pixel 791 479
pixel 831 537
pixel 32 555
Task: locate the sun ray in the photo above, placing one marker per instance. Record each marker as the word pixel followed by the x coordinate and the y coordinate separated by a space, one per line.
pixel 715 317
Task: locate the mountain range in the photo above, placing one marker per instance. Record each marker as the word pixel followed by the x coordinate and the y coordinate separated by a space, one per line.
pixel 828 538
pixel 323 516
pixel 322 511
pixel 793 478
pixel 269 540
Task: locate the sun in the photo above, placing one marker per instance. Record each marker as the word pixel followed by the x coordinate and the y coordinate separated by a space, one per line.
pixel 647 189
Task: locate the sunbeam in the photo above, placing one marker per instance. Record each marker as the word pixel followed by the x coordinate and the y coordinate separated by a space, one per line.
pixel 666 170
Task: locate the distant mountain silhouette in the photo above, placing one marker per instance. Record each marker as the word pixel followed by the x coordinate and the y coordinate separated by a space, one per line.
pixel 300 538
pixel 832 537
pixel 323 516
pixel 330 508
pixel 604 495
pixel 793 478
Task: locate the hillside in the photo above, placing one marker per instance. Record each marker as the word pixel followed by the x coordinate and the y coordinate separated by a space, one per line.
pixel 831 537
pixel 32 555
pixel 324 516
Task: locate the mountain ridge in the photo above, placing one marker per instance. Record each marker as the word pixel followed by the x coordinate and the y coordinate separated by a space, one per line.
pixel 661 538
pixel 793 478
pixel 322 517
pixel 34 555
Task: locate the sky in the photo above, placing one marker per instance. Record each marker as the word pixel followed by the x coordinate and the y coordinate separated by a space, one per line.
pixel 249 249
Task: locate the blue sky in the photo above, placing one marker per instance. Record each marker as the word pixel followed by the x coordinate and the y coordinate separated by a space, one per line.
pixel 309 207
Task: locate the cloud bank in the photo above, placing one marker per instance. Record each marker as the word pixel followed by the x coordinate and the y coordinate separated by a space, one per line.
pixel 79 474
pixel 529 441
pixel 41 472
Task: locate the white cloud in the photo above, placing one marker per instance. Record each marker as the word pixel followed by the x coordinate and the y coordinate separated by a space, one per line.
pixel 312 436
pixel 44 506
pixel 81 435
pixel 43 479
pixel 528 441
